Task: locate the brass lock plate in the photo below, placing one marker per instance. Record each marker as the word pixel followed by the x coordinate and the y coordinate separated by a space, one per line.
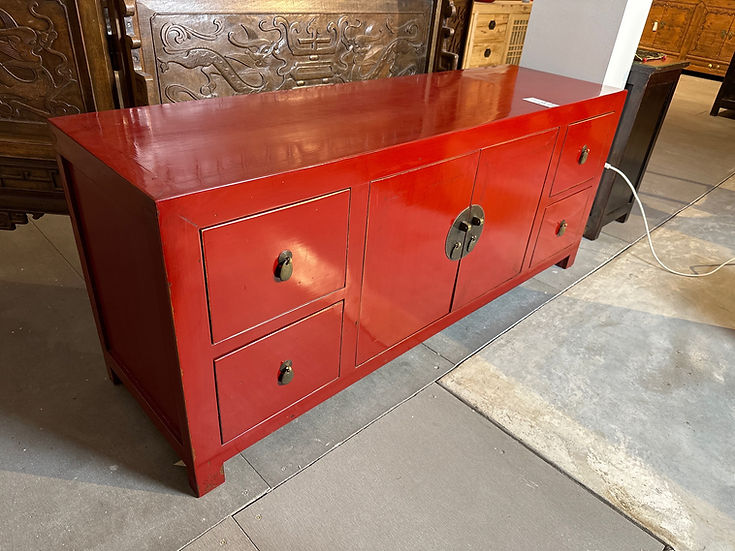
pixel 465 232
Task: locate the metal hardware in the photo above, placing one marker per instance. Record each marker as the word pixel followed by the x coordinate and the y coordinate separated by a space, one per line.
pixel 465 232
pixel 285 373
pixel 584 154
pixel 562 228
pixel 284 266
pixel 491 25
pixel 723 33
pixel 487 53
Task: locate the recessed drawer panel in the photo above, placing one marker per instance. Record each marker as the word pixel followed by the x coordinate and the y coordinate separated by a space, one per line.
pixel 270 374
pixel 562 225
pixel 585 150
pixel 265 265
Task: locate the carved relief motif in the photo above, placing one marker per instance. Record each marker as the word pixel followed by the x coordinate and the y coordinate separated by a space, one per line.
pixel 203 56
pixel 37 78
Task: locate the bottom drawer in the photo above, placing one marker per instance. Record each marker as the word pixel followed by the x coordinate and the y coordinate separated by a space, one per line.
pixel 562 225
pixel 254 383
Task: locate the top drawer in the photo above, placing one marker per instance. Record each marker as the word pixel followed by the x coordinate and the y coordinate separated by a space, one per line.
pixel 244 258
pixel 585 150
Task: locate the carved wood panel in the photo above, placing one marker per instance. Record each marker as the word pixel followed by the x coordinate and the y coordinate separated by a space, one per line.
pixel 53 62
pixel 176 55
pixel 38 77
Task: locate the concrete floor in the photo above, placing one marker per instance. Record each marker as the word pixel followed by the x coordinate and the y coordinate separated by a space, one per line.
pixel 393 462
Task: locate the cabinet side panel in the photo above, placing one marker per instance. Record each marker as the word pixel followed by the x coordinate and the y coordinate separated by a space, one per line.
pixel 118 230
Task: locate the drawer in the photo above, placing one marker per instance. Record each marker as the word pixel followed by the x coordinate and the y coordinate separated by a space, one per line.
pixel 488 45
pixel 241 261
pixel 250 388
pixel 575 166
pixel 562 224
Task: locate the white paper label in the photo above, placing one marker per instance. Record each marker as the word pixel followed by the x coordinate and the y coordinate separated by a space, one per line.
pixel 541 102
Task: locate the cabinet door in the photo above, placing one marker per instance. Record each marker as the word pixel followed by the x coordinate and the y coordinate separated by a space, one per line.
pixel 407 277
pixel 510 178
pixel 673 27
pixel 712 33
pixel 728 48
pixel 650 31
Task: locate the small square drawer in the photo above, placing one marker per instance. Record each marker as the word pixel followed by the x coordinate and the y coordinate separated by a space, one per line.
pixel 265 265
pixel 562 225
pixel 585 150
pixel 267 376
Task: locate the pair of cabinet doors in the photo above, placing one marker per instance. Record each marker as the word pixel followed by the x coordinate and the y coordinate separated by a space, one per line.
pixel 409 281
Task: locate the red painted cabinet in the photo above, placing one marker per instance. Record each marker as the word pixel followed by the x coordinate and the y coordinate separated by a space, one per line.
pixel 248 257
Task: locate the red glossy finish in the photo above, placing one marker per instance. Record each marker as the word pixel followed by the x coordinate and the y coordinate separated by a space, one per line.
pixel 408 279
pixel 240 258
pixel 591 134
pixel 571 213
pixel 248 389
pixel 180 212
pixel 509 181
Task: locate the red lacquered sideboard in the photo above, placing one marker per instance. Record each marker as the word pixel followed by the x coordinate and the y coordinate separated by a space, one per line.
pixel 248 257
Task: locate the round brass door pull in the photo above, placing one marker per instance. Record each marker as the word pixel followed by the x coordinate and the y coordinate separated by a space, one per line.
pixel 584 155
pixel 284 266
pixel 285 373
pixel 562 228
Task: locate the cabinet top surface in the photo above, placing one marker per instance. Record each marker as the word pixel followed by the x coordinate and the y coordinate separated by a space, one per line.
pixel 172 150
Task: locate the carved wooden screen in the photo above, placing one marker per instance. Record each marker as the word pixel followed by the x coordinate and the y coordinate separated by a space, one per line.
pixel 175 50
pixel 53 61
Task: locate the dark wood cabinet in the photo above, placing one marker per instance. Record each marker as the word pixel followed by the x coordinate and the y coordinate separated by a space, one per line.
pixel 53 61
pixel 726 95
pixel 650 88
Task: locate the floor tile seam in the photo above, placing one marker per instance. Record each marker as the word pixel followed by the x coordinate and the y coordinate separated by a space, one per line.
pixel 46 237
pixel 248 535
pixel 242 454
pixel 592 271
pixel 205 532
pixel 556 467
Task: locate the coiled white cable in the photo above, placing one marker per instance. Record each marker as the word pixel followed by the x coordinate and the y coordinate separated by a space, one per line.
pixel 648 231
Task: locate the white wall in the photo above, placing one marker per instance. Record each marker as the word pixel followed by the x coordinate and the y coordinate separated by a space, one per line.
pixel 591 40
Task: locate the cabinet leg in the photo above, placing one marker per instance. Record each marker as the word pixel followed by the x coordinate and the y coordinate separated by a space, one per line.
pixel 568 261
pixel 113 376
pixel 623 218
pixel 206 477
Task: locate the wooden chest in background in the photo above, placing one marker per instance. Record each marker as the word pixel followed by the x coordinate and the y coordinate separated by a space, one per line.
pixel 701 32
pixel 496 33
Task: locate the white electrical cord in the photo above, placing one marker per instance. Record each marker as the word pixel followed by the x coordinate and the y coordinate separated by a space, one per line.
pixel 648 231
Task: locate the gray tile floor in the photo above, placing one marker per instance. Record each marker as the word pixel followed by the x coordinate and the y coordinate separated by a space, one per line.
pixel 383 465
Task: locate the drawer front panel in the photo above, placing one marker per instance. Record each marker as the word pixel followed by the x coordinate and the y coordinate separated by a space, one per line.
pixel 248 386
pixel 488 45
pixel 242 262
pixel 575 166
pixel 562 225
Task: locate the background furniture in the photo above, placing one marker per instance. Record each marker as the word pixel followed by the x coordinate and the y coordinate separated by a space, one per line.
pixel 496 33
pixel 650 87
pixel 726 95
pixel 701 32
pixel 171 51
pixel 53 61
pixel 249 271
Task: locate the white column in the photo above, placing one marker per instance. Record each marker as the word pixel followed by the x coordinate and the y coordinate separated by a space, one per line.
pixel 591 40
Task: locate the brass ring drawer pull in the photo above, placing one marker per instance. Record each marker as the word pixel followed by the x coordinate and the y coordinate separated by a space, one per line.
pixel 584 155
pixel 562 228
pixel 285 373
pixel 284 266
